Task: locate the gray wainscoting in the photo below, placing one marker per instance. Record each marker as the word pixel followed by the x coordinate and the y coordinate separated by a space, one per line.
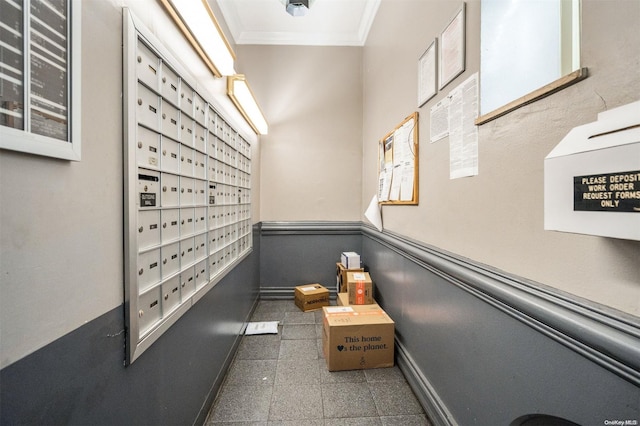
pixel 480 347
pixel 296 253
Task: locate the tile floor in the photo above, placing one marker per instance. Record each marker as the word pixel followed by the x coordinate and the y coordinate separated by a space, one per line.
pixel 283 380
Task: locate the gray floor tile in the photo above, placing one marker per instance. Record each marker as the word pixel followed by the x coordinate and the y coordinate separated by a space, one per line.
pixel 349 376
pixel 305 422
pixel 354 421
pixel 299 331
pixel 297 371
pixel 282 380
pixel 347 400
pixel 296 402
pixel 394 398
pixel 299 318
pixel 243 404
pixel 265 346
pixel 415 420
pixel 384 374
pixel 298 349
pixel 252 372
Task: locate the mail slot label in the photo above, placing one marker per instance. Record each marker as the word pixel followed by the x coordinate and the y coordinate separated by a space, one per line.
pixel 147 199
pixel 611 192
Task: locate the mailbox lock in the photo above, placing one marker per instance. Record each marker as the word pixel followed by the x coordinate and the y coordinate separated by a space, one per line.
pixel 139 101
pixel 164 262
pixel 139 144
pixel 164 79
pixel 139 59
pixel 141 229
pixel 164 225
pixel 164 115
pixel 140 271
pixel 140 313
pixel 182 190
pixel 164 152
pixel 146 188
pixel 164 188
pixel 166 296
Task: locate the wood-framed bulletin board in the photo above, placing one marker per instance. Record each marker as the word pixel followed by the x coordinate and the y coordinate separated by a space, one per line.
pixel 398 164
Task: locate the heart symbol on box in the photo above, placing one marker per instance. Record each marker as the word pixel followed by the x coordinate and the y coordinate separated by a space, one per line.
pixel 341 348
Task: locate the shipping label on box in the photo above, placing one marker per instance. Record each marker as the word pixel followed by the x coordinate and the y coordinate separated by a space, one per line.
pixel 360 288
pixel 357 337
pixel 341 277
pixel 309 297
pixel 350 259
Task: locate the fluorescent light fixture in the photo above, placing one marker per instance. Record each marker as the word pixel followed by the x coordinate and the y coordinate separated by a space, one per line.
pixel 197 22
pixel 242 96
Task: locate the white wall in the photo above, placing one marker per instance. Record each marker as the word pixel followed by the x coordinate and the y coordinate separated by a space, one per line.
pixel 61 223
pixel 496 218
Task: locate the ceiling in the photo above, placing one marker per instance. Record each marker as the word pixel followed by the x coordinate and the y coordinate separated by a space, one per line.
pixel 327 23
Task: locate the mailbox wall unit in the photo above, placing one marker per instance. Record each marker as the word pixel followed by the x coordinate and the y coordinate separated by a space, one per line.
pixel 187 190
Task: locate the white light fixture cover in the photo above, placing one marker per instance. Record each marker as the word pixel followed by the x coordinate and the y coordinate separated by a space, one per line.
pixel 203 31
pixel 242 96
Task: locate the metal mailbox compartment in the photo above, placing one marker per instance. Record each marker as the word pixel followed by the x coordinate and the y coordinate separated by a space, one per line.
pixel 148 268
pixel 186 191
pixel 170 219
pixel 200 214
pixel 186 130
pixel 149 310
pixel 170 295
pixel 148 108
pixel 170 156
pixel 169 85
pixel 170 120
pixel 148 188
pixel 186 99
pixel 148 229
pixel 187 282
pixel 200 113
pixel 186 222
pixel 170 190
pixel 200 165
pixel 200 245
pixel 147 65
pixel 202 277
pixel 200 138
pixel 200 192
pixel 147 148
pixel 170 255
pixel 187 252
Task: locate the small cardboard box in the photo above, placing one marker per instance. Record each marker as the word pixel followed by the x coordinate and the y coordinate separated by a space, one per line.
pixel 360 288
pixel 342 299
pixel 309 297
pixel 341 277
pixel 350 259
pixel 357 337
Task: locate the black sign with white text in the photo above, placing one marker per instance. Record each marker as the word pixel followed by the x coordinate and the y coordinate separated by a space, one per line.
pixel 612 192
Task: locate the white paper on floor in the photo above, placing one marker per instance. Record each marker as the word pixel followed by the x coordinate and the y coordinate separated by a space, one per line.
pixel 263 327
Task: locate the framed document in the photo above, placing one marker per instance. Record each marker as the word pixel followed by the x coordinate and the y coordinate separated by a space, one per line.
pixel 427 74
pixel 452 49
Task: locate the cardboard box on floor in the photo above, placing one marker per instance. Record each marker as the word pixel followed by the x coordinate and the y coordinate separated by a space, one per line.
pixel 357 337
pixel 360 288
pixel 341 277
pixel 310 297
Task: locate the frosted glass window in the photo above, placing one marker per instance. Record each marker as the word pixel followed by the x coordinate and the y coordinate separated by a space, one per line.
pixel 525 45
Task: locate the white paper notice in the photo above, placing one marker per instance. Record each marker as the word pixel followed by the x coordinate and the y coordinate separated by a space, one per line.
pixel 440 120
pixel 373 213
pixel 264 327
pixel 463 133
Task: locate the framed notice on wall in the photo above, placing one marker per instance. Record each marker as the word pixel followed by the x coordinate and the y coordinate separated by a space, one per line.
pixel 398 164
pixel 452 49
